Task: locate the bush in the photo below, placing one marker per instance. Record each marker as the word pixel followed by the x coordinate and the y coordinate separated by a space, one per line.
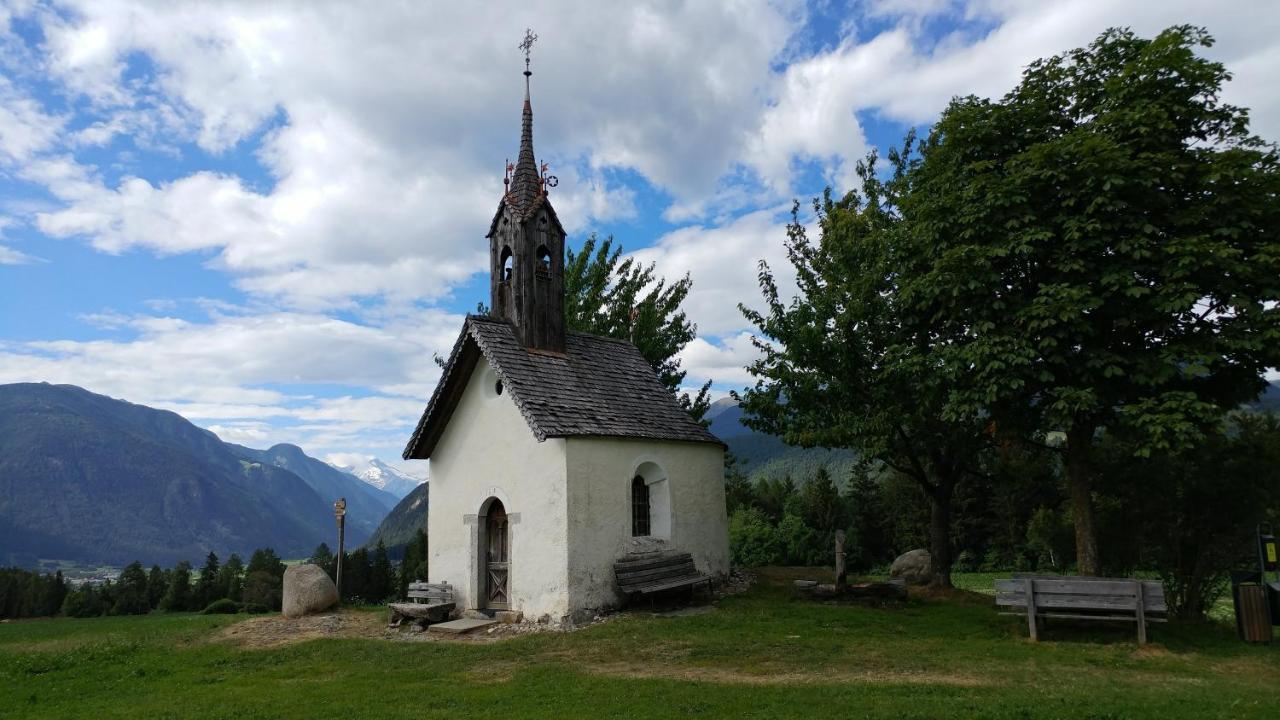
pixel 752 540
pixel 255 608
pixel 223 606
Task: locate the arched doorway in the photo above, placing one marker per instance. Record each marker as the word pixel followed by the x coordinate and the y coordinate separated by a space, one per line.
pixel 497 557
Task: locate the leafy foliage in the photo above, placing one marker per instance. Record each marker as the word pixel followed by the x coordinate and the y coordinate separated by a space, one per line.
pixel 1102 251
pixel 606 295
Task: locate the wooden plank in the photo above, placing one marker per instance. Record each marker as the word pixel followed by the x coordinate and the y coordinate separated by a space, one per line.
pixel 683 569
pixel 1081 601
pixel 1139 616
pixel 1075 586
pixel 1030 586
pixel 646 563
pixel 1082 616
pixel 669 585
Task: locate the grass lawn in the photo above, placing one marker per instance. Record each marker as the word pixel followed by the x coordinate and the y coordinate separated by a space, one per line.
pixel 758 654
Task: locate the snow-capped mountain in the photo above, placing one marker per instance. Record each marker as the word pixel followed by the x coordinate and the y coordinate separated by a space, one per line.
pixel 375 472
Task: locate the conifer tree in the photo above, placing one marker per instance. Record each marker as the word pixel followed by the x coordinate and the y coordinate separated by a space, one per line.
pixel 178 596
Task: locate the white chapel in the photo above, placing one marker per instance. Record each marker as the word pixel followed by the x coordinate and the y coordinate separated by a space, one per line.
pixel 554 454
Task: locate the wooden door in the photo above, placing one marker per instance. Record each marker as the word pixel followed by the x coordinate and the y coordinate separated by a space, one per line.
pixel 497 558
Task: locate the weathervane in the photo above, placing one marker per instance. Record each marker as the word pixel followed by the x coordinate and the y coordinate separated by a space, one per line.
pixel 527 46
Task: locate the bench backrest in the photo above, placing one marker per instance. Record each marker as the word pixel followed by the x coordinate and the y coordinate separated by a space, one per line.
pixel 637 570
pixel 1054 592
pixel 430 592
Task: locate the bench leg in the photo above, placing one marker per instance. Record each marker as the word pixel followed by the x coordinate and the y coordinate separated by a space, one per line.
pixel 1031 610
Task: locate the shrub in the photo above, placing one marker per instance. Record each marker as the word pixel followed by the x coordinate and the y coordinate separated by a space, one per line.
pixel 222 606
pixel 255 608
pixel 752 540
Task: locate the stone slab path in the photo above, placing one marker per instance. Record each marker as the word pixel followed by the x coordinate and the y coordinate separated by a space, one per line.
pixel 464 625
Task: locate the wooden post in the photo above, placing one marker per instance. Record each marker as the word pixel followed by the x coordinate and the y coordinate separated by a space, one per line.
pixel 1030 586
pixel 1140 612
pixel 841 571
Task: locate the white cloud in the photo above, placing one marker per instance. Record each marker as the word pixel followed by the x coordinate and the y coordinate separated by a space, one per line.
pixel 9 256
pixel 723 262
pixel 724 362
pixel 253 377
pixel 903 75
pixel 387 130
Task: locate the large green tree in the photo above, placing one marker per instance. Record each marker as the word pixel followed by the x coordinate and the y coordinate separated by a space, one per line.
pixel 1103 251
pixel 843 365
pixel 622 298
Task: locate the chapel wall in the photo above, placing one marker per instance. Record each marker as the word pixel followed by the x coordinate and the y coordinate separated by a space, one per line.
pixel 487 450
pixel 600 471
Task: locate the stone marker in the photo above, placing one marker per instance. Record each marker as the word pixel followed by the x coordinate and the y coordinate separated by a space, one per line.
pixel 307 589
pixel 914 567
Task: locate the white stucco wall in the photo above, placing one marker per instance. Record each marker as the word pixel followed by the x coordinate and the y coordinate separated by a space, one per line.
pixel 487 450
pixel 600 471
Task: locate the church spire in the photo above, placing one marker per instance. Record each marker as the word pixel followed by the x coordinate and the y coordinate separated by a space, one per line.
pixel 526 244
pixel 526 181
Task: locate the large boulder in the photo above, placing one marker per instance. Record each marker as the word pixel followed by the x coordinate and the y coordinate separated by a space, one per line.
pixel 914 567
pixel 307 589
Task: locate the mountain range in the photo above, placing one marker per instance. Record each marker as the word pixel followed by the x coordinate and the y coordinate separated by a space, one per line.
pixel 90 479
pixel 378 474
pixel 767 457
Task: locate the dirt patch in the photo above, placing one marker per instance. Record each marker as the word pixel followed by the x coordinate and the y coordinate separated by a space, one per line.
pixel 278 631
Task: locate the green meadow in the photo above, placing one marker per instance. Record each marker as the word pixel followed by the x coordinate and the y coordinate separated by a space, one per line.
pixel 759 654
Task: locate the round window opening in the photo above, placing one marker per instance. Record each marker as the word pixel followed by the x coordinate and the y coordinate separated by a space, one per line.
pixel 497 387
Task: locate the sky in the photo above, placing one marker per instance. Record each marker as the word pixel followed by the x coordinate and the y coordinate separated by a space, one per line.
pixel 269 217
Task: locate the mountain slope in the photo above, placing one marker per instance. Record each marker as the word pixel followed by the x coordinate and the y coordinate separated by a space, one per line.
pixel 366 505
pixel 762 456
pixel 87 478
pixel 409 516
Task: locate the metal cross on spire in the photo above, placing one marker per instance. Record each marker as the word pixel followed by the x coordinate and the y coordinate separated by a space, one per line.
pixel 527 46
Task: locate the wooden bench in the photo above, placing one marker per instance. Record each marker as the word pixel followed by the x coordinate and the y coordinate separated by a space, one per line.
pixel 649 573
pixel 428 603
pixel 1082 598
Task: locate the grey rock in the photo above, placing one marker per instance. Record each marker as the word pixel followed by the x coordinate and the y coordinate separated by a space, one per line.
pixel 914 567
pixel 307 590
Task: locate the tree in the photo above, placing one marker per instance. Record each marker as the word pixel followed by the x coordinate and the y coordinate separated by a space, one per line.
pixel 413 566
pixel 1191 515
pixel 157 584
pixel 131 592
pixel 381 575
pixel 847 364
pixel 1106 237
pixel 263 589
pixel 265 560
pixel 208 588
pixel 606 295
pixel 178 597
pixel 322 557
pixel 230 582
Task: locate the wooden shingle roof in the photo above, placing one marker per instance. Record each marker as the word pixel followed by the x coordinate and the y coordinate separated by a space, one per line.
pixel 597 387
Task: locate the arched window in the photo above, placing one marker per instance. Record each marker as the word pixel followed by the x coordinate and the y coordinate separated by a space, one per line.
pixel 544 258
pixel 639 507
pixel 506 265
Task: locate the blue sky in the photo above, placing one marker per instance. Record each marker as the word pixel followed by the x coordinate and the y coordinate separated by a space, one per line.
pixel 268 217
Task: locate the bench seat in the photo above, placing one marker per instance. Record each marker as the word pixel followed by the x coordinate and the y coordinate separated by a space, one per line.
pixel 1082 598
pixel 645 574
pixel 428 603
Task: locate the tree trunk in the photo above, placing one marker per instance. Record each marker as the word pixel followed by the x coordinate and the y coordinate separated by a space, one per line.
pixel 940 529
pixel 1080 483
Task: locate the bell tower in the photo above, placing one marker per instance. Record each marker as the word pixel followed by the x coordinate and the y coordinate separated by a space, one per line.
pixel 526 244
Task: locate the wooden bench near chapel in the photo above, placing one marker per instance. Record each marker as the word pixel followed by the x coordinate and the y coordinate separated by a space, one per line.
pixel 1082 598
pixel 428 603
pixel 648 573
